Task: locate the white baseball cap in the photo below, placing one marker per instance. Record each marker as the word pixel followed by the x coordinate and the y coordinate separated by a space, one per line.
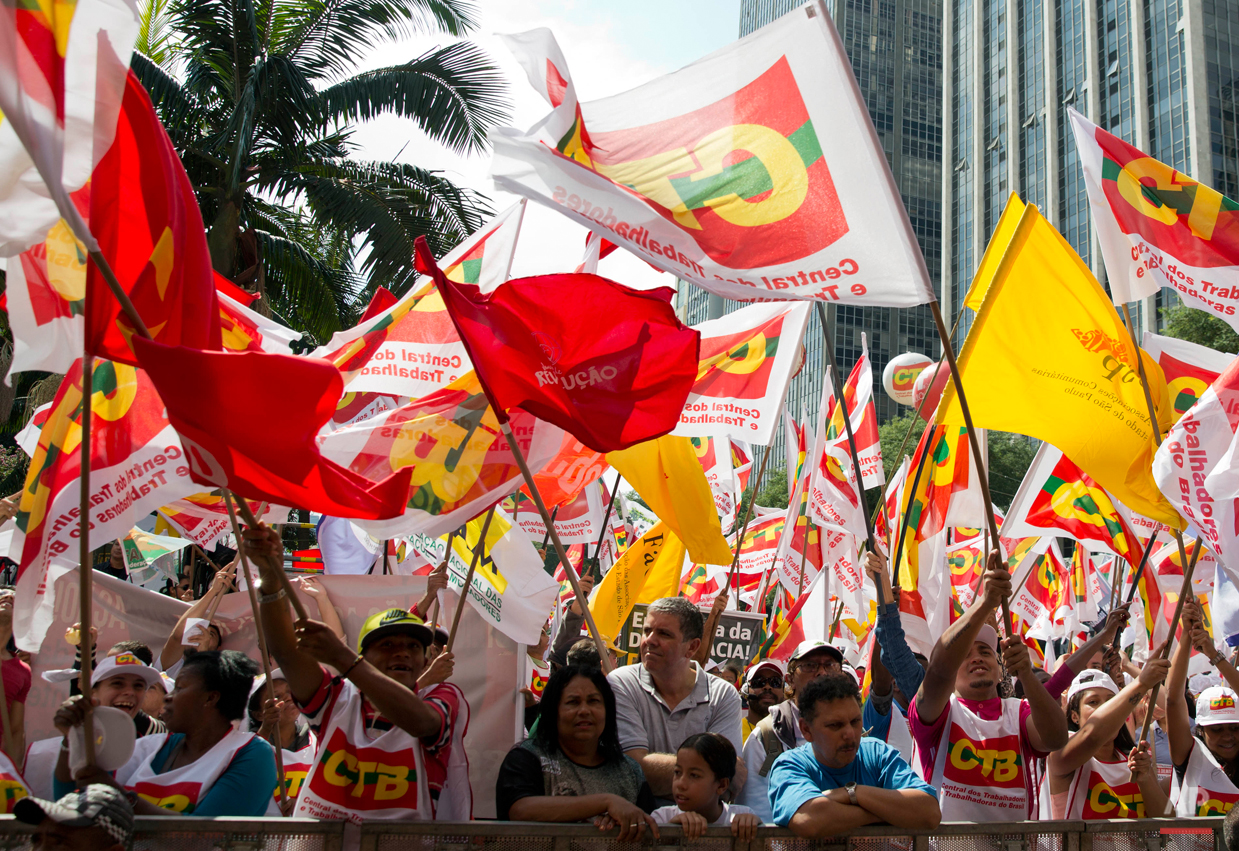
pixel 124 663
pixel 1217 705
pixel 988 635
pixel 777 664
pixel 851 671
pixel 1091 678
pixel 807 647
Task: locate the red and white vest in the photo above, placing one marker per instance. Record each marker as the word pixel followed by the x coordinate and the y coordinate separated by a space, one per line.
pixel 296 767
pixel 979 769
pixel 12 786
pixel 1100 790
pixel 182 788
pixel 456 797
pixel 355 777
pixel 1205 789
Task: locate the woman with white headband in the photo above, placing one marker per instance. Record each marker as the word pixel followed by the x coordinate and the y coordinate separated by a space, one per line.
pixel 1206 765
pixel 1088 778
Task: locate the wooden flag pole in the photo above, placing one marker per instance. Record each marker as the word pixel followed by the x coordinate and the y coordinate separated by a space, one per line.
pixel 250 520
pixel 1144 560
pixel 604 657
pixel 732 574
pixel 447 554
pixel 1186 588
pixel 841 395
pixel 478 549
pixel 948 351
pixel 85 577
pixel 262 644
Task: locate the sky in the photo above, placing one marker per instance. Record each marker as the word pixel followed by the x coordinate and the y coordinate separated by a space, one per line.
pixel 610 47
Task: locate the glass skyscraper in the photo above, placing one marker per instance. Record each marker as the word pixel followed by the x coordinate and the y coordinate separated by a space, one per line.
pixel 895 47
pixel 1160 74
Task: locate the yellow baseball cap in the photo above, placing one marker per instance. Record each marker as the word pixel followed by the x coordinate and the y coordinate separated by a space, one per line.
pixel 392 622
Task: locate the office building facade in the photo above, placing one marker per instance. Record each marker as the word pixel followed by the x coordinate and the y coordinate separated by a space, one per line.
pixel 1160 74
pixel 895 47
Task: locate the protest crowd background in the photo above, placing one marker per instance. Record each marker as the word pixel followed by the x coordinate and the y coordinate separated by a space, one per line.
pixel 504 548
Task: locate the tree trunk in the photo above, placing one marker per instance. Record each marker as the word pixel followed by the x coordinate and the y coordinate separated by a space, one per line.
pixel 222 239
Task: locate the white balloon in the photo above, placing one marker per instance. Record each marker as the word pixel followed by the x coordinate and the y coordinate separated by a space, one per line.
pixel 900 375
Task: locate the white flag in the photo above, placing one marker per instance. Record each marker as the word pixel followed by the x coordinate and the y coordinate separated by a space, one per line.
pixel 755 172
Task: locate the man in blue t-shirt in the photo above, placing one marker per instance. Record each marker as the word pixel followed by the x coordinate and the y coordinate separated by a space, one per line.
pixel 839 780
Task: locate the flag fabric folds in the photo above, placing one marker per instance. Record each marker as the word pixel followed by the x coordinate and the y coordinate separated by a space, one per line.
pixel 753 173
pixel 1189 369
pixel 46 286
pixel 1047 356
pixel 536 344
pixel 451 445
pixel 62 75
pixel 1058 498
pixel 203 517
pixel 1157 227
pixel 746 362
pixel 137 464
pixel 651 568
pixel 1197 465
pixel 666 474
pixel 145 215
pixel 142 550
pixel 215 398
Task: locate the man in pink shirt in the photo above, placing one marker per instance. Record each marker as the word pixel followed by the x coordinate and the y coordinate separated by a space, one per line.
pixel 975 747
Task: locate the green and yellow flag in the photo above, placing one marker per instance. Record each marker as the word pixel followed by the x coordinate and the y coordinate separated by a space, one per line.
pixel 1048 356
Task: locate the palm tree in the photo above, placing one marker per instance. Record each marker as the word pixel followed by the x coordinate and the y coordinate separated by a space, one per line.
pixel 259 97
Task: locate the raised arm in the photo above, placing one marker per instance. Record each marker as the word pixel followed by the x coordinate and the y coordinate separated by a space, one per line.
pixel 313 587
pixel 1104 638
pixel 1047 725
pixel 436 581
pixel 896 656
pixel 1144 771
pixel 1104 724
pixel 954 645
pixel 570 629
pixel 173 649
pixel 304 675
pixel 1178 727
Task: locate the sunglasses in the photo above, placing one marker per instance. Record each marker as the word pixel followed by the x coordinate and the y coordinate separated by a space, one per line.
pixel 764 682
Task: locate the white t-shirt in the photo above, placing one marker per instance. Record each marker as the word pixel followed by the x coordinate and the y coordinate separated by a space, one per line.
pixel 664 815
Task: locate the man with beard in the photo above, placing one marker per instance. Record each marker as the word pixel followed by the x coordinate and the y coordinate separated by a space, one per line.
pixel 385 749
pixel 842 779
pixel 763 687
pixel 780 730
pixel 975 747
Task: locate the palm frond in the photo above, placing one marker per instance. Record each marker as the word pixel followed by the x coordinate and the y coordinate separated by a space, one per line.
pixel 312 295
pixel 454 93
pixel 157 32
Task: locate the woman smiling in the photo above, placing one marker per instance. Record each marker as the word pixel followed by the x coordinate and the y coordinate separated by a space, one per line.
pixel 573 768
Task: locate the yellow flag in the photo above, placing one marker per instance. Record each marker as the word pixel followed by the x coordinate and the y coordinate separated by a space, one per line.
pixel 649 569
pixel 667 475
pixel 1003 231
pixel 1048 356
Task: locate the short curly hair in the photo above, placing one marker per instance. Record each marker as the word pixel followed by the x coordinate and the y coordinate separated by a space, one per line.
pixel 829 687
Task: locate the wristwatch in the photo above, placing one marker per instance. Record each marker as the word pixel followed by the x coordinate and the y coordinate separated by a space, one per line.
pixel 851 790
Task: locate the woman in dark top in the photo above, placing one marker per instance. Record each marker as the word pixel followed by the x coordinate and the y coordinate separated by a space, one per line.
pixel 572 769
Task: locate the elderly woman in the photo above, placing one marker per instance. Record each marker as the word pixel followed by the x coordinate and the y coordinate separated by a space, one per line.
pixel 572 769
pixel 203 765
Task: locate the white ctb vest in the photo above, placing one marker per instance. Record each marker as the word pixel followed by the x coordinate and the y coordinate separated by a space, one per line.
pixel 456 798
pixel 182 788
pixel 356 778
pixel 1099 790
pixel 296 767
pixel 979 768
pixel 1205 789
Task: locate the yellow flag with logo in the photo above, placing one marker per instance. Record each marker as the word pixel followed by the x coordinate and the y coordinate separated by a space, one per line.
pixel 648 570
pixel 1048 356
pixel 668 476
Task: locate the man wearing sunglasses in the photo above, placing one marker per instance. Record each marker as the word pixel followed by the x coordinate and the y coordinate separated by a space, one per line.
pixel 763 688
pixel 780 729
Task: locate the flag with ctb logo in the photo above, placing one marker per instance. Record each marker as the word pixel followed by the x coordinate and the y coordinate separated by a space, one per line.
pixel 747 359
pixel 1189 368
pixel 754 173
pixel 1158 227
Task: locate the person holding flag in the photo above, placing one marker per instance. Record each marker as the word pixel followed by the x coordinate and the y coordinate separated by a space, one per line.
pixel 897 671
pixel 1206 765
pixel 957 714
pixel 372 712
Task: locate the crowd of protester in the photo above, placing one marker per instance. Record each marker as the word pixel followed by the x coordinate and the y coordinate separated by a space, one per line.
pixel 375 729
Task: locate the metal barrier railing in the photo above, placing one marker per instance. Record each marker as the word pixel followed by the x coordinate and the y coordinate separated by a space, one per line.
pixel 275 834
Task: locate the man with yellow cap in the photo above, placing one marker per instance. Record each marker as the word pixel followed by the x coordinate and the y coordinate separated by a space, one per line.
pixel 387 750
pixel 975 747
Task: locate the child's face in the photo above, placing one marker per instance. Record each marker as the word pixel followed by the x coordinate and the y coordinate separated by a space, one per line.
pixel 694 786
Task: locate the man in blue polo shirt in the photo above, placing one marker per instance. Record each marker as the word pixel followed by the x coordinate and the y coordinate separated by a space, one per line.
pixel 839 779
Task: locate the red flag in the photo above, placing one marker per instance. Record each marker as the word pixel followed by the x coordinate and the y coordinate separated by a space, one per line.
pixel 144 214
pixel 609 364
pixel 248 422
